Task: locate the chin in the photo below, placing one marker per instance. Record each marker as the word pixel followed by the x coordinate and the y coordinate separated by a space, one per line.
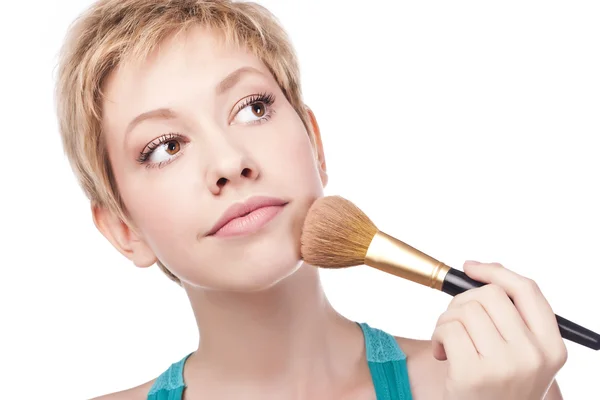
pixel 253 274
pixel 264 277
pixel 246 266
pixel 261 266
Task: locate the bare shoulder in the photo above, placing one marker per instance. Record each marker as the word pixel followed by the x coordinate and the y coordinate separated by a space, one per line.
pixel 413 347
pixel 136 393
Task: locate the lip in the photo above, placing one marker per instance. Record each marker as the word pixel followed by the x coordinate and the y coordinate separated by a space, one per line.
pixel 238 210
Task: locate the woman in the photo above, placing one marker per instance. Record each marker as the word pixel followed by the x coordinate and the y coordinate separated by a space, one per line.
pixel 185 124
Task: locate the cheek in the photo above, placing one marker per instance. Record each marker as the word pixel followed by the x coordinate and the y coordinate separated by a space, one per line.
pixel 166 207
pixel 151 196
pixel 292 160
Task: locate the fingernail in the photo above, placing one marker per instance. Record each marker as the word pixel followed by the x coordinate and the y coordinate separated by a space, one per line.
pixel 472 262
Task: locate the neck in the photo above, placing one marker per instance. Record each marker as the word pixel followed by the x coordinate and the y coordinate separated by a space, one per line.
pixel 289 331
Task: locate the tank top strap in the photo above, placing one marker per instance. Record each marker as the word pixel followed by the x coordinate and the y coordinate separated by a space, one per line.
pixel 169 385
pixel 387 363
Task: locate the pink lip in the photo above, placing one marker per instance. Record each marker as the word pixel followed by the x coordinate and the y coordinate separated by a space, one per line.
pixel 247 217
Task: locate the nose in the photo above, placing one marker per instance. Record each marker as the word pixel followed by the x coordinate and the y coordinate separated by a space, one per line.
pixel 231 166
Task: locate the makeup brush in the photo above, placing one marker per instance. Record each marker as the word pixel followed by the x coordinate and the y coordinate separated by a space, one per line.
pixel 337 234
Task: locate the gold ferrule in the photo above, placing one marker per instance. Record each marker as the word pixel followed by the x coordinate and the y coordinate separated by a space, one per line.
pixel 393 256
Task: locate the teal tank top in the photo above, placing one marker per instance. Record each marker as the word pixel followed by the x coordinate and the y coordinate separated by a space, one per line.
pixel 387 364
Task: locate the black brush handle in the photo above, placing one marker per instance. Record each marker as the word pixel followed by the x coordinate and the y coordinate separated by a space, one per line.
pixel 457 282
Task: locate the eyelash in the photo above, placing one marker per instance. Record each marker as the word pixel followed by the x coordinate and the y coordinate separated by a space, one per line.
pixel 149 149
pixel 265 98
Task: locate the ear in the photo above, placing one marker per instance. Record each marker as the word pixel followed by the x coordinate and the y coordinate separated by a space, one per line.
pixel 319 144
pixel 122 237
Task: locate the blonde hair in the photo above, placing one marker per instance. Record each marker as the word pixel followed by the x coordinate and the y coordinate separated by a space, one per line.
pixel 112 31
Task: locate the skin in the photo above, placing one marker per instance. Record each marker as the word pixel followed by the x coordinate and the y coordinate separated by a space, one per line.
pixel 267 328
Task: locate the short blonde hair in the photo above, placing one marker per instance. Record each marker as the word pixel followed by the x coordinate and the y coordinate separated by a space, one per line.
pixel 112 31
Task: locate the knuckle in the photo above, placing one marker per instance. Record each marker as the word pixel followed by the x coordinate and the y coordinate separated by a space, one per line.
pixel 446 317
pixel 559 357
pixel 454 301
pixel 460 298
pixel 533 285
pixel 495 291
pixel 564 354
pixel 531 361
pixel 454 327
pixel 536 361
pixel 441 319
pixel 529 286
pixel 470 307
pixel 440 327
pixel 445 328
pixel 470 310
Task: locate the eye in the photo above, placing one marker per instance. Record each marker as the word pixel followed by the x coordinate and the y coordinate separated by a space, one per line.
pixel 255 109
pixel 161 151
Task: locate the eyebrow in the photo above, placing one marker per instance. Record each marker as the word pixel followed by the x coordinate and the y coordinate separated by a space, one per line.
pixel 233 78
pixel 166 113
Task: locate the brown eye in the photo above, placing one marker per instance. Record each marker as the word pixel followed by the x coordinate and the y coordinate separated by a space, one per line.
pixel 172 147
pixel 258 109
pixel 254 109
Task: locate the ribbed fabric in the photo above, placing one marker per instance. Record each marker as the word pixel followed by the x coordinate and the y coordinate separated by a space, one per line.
pixel 387 363
pixel 169 385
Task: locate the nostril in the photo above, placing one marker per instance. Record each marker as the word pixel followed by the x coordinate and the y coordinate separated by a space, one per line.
pixel 221 182
pixel 246 172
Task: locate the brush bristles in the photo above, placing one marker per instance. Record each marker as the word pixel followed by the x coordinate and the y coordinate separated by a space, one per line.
pixel 336 234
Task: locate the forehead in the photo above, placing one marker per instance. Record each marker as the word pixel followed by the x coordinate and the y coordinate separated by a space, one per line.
pixel 183 68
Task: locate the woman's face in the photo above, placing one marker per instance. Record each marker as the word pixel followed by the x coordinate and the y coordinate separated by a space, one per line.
pixel 215 130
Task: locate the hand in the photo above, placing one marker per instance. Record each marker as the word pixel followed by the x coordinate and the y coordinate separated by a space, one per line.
pixel 496 349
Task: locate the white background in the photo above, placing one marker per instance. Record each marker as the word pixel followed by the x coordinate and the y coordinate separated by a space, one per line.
pixel 467 129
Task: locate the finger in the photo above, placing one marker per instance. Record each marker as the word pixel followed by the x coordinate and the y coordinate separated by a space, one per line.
pixel 501 310
pixel 479 326
pixel 527 297
pixel 456 344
